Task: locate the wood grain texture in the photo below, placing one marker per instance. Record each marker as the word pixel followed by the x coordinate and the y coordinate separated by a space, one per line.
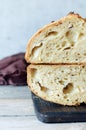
pixel 11 92
pixel 17 112
pixel 16 107
pixel 15 102
pixel 31 123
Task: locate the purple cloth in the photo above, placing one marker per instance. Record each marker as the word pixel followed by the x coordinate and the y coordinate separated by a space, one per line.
pixel 13 70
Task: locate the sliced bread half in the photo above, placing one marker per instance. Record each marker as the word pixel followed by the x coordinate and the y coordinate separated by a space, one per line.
pixel 62 84
pixel 62 41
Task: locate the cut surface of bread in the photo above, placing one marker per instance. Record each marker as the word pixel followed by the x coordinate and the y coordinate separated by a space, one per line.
pixel 62 84
pixel 62 41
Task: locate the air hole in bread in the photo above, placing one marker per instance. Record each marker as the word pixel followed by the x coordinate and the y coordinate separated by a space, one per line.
pixel 61 82
pixel 76 59
pixel 72 36
pixel 35 49
pixel 65 96
pixel 83 66
pixel 68 88
pixel 70 25
pixel 63 43
pixel 81 35
pixel 68 34
pixel 51 33
pixel 67 48
pixel 58 47
pixel 33 72
pixel 72 44
pixel 42 88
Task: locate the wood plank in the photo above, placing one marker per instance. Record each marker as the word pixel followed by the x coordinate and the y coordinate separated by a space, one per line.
pixel 11 92
pixel 16 107
pixel 15 102
pixel 31 123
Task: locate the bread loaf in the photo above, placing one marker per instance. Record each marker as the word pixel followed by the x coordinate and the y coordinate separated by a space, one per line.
pixel 64 84
pixel 57 54
pixel 62 41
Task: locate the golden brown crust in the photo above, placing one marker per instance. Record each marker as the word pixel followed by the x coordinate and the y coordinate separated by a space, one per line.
pixel 56 23
pixel 29 76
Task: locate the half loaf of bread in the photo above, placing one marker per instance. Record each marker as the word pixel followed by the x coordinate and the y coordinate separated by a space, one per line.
pixel 62 41
pixel 62 84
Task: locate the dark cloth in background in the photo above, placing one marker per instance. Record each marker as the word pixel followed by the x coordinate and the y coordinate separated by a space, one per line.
pixel 13 70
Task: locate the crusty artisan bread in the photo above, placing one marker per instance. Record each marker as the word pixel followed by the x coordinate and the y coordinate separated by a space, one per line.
pixel 57 54
pixel 63 84
pixel 62 41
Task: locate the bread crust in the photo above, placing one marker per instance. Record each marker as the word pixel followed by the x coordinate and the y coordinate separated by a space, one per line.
pixel 55 23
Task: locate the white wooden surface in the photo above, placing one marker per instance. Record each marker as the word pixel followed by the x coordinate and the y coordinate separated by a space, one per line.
pixel 17 112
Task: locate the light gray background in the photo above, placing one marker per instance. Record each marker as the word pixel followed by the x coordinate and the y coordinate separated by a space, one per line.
pixel 20 19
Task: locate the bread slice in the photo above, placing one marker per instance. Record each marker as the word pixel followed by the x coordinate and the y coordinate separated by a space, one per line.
pixel 62 84
pixel 62 41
